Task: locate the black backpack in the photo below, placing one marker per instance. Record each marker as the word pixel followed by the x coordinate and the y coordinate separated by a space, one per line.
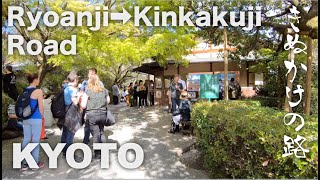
pixel 57 105
pixel 23 109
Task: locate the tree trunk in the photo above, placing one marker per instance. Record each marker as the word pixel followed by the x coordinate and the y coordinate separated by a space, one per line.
pixel 148 96
pixel 279 83
pixel 308 81
pixel 287 107
pixel 42 73
pixel 225 53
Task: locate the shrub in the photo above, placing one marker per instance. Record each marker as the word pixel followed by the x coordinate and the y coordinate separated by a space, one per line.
pixel 269 101
pixel 6 100
pixel 241 139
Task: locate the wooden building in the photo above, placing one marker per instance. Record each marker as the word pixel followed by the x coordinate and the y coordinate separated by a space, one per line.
pixel 204 59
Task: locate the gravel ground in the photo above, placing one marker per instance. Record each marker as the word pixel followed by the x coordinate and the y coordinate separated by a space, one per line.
pixel 193 159
pixel 147 127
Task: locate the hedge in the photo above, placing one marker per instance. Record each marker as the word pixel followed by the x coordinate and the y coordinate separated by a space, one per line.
pixel 242 139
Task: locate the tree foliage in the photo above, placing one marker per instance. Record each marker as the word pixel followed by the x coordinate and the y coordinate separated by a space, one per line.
pixel 114 45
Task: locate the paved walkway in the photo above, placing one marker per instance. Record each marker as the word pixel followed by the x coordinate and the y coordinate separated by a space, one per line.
pixel 148 127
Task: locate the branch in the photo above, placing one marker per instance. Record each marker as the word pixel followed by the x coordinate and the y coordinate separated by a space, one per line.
pixel 20 31
pixel 124 76
pixel 276 26
pixel 256 37
pixel 127 69
pixel 296 3
pixel 286 11
pixel 313 12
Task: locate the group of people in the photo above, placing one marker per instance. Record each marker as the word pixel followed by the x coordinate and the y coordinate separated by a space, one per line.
pixel 137 94
pixel 179 103
pixel 84 103
pixel 234 89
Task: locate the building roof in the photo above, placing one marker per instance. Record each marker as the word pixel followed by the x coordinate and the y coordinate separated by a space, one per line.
pixel 149 68
pixel 203 52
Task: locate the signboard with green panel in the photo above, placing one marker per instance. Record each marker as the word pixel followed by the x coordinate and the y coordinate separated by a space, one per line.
pixel 209 86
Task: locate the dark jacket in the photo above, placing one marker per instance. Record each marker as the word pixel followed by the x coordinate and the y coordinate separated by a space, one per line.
pixel 9 85
pixel 175 93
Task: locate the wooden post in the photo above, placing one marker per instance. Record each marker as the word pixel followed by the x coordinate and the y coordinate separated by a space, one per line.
pixel 148 95
pixel 308 80
pixel 156 101
pixel 247 70
pixel 287 107
pixel 162 88
pixel 225 53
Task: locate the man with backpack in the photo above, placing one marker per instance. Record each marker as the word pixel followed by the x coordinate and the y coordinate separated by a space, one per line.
pixel 29 107
pixel 72 115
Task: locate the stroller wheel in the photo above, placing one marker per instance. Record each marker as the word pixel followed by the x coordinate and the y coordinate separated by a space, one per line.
pixel 171 131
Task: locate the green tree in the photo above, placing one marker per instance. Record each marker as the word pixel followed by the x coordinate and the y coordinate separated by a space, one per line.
pixel 111 46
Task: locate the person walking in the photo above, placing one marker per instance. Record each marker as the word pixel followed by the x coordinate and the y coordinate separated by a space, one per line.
pixel 73 116
pixel 9 83
pixel 175 89
pixel 83 89
pixel 115 93
pixel 95 102
pixel 32 126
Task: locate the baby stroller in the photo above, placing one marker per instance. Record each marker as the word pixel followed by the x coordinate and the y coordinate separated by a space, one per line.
pixel 176 118
pixel 180 116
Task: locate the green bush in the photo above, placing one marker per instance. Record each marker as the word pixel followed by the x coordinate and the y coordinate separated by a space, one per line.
pixel 238 137
pixel 6 100
pixel 269 101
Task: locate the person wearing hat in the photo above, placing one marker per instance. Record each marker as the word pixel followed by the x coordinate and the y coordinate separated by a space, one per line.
pixel 185 106
pixel 183 112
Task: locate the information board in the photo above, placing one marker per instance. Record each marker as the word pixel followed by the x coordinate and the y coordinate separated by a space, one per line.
pixel 193 82
pixel 209 86
pixel 230 75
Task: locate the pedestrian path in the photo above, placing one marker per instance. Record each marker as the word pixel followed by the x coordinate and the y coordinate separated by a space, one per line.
pixel 147 127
